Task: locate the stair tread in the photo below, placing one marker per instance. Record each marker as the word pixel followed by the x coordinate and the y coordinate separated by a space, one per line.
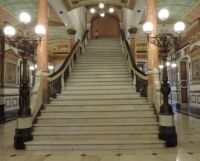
pixel 96 142
pixel 102 132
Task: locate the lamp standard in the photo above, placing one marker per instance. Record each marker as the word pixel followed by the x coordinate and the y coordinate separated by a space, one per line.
pixel 26 47
pixel 165 41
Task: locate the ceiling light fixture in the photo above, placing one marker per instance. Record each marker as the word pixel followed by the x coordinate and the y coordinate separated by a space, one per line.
pixel 101 5
pixel 111 10
pixel 102 14
pixel 92 10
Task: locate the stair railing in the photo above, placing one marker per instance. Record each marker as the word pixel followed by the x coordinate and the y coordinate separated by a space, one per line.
pixel 139 77
pixel 58 79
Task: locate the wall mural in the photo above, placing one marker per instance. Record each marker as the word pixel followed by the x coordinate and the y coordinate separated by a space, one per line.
pixel 196 70
pixel 195 61
pixel 11 73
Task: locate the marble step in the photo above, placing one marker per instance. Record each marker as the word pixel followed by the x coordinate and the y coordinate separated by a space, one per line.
pixel 116 61
pixel 97 56
pixel 105 58
pixel 100 102
pixel 61 127
pixel 97 97
pixel 102 73
pixel 101 57
pixel 98 76
pixel 50 107
pixel 101 47
pixel 94 144
pixel 101 67
pixel 97 114
pixel 127 79
pixel 95 135
pixel 98 92
pixel 90 63
pixel 112 87
pixel 96 121
pixel 99 70
pixel 105 83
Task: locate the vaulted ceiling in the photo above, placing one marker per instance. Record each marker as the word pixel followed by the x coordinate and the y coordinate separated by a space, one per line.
pixel 187 10
pixel 71 4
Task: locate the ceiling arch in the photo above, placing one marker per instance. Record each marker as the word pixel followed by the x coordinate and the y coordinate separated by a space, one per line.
pixel 71 4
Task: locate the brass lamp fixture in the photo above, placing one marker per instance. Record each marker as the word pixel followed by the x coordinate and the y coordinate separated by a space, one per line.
pixel 26 47
pixel 165 41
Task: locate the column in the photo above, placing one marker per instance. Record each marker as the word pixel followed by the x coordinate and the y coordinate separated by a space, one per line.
pixel 133 32
pixel 42 52
pixel 167 130
pixel 2 59
pixel 152 50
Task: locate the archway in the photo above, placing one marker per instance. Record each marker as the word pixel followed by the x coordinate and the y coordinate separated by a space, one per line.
pixel 107 26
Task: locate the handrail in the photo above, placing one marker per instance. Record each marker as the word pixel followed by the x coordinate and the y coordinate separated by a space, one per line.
pixel 59 78
pixel 140 78
pixel 65 63
pixel 85 35
pixel 131 56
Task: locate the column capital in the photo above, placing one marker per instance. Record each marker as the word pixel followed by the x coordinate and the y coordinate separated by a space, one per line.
pixel 133 31
pixel 71 31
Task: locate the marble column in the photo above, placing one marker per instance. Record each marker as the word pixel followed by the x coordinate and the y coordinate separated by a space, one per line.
pixel 133 32
pixel 152 50
pixel 2 59
pixel 42 52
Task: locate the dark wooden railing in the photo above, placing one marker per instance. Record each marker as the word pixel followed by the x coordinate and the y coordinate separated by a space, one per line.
pixel 139 77
pixel 59 78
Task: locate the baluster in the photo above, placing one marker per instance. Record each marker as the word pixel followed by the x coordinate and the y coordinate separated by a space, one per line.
pixel 59 84
pixel 138 84
pixel 66 74
pixel 143 92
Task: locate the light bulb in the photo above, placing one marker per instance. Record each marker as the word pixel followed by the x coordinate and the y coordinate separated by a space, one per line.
pixel 163 14
pixel 40 30
pixel 173 65
pixel 9 31
pixel 50 67
pixel 101 5
pixel 161 66
pixel 168 64
pixel 92 10
pixel 102 14
pixel 148 27
pixel 32 67
pixel 24 17
pixel 111 10
pixel 179 27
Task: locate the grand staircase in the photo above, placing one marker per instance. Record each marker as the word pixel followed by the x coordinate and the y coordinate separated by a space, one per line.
pixel 98 108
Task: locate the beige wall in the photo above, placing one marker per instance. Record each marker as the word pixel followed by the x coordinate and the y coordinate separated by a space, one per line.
pixel 107 26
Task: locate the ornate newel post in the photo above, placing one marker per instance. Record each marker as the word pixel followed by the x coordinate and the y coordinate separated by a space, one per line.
pixel 26 47
pixel 23 132
pixel 165 41
pixel 166 115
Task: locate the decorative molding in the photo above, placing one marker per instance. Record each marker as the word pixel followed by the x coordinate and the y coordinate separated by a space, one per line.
pixel 193 98
pixel 198 99
pixel 7 102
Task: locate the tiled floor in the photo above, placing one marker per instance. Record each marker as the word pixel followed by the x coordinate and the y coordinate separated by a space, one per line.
pixel 188 148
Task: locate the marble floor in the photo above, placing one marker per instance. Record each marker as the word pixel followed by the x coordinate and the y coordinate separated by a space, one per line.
pixel 188 148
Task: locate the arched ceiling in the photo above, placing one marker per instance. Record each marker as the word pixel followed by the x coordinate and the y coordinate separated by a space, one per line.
pixel 71 4
pixel 187 10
